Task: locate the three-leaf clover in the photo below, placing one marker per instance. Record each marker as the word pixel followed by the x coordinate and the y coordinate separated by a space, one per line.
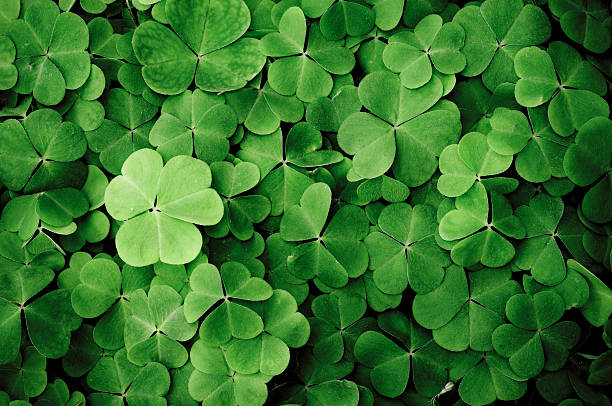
pixel 573 86
pixel 51 52
pixel 161 204
pixel 340 18
pixel 41 153
pixel 205 41
pixel 478 222
pixel 535 339
pixel 433 42
pixel 405 251
pixel 584 22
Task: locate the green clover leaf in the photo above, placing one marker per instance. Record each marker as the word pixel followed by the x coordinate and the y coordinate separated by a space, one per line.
pixel 405 250
pixel 560 75
pixel 202 43
pixel 160 204
pixel 26 375
pixel 51 55
pixel 8 71
pixel 535 340
pixel 194 121
pixel 598 308
pixel 584 23
pixel 340 18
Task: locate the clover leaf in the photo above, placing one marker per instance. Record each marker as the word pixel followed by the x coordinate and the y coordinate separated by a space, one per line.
pixel 99 288
pixel 194 121
pixel 7 68
pixel 391 361
pixel 405 251
pixel 598 308
pixel 201 44
pixel 340 18
pixel 433 42
pixel 299 71
pixel 26 375
pixel 584 23
pixel 160 204
pixel 535 340
pixel 51 55
pixel 401 132
pixel 477 226
pixel 563 77
pixel 156 324
pixel 41 153
pixel 494 32
pixel 586 160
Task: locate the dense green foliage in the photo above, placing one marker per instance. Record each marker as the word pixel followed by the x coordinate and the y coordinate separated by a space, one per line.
pixel 305 202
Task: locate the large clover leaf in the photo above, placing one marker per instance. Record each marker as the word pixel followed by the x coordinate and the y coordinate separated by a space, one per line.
pixel 390 364
pixel 463 315
pixel 38 155
pixel 494 32
pixel 405 251
pixel 412 54
pixel 573 86
pixel 204 41
pixel 535 340
pixel 479 228
pixel 336 253
pixel 51 55
pixel 588 161
pixel 191 122
pixel 400 132
pixel 160 204
pixel 156 324
pixel 299 71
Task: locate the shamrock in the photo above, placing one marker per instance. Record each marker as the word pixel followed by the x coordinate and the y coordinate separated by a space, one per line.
pixel 81 105
pixel 51 55
pixel 540 252
pixel 261 109
pixel 202 42
pixel 494 32
pixel 584 23
pixel 338 322
pixel 212 289
pixel 405 250
pixel 384 187
pixel 326 114
pixel 490 378
pixel 573 86
pixel 57 393
pixel 588 160
pixel 400 132
pixel 156 324
pixel 574 289
pixel 535 339
pixel 40 154
pixel 49 318
pixel 390 361
pixel 194 121
pixel 463 314
pixel 160 204
pixel 467 162
pixel 299 71
pixel 539 150
pixel 241 212
pixel 115 378
pixel 99 288
pixel 478 227
pixel 124 131
pixel 340 18
pixel 7 68
pixel 26 375
pixel 338 252
pixel 279 160
pixel 412 54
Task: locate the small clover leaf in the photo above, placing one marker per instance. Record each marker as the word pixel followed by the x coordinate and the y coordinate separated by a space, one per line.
pixel 156 324
pixel 8 71
pixel 41 154
pixel 535 340
pixel 26 375
pixel 160 204
pixel 51 55
pixel 405 250
pixel 586 161
pixel 340 18
pixel 433 42
pixel 201 44
pixel 194 121
pixel 99 288
pixel 563 77
pixel 326 114
pixel 598 308
pixel 584 23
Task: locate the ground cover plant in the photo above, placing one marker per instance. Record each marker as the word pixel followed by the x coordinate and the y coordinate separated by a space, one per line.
pixel 305 202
